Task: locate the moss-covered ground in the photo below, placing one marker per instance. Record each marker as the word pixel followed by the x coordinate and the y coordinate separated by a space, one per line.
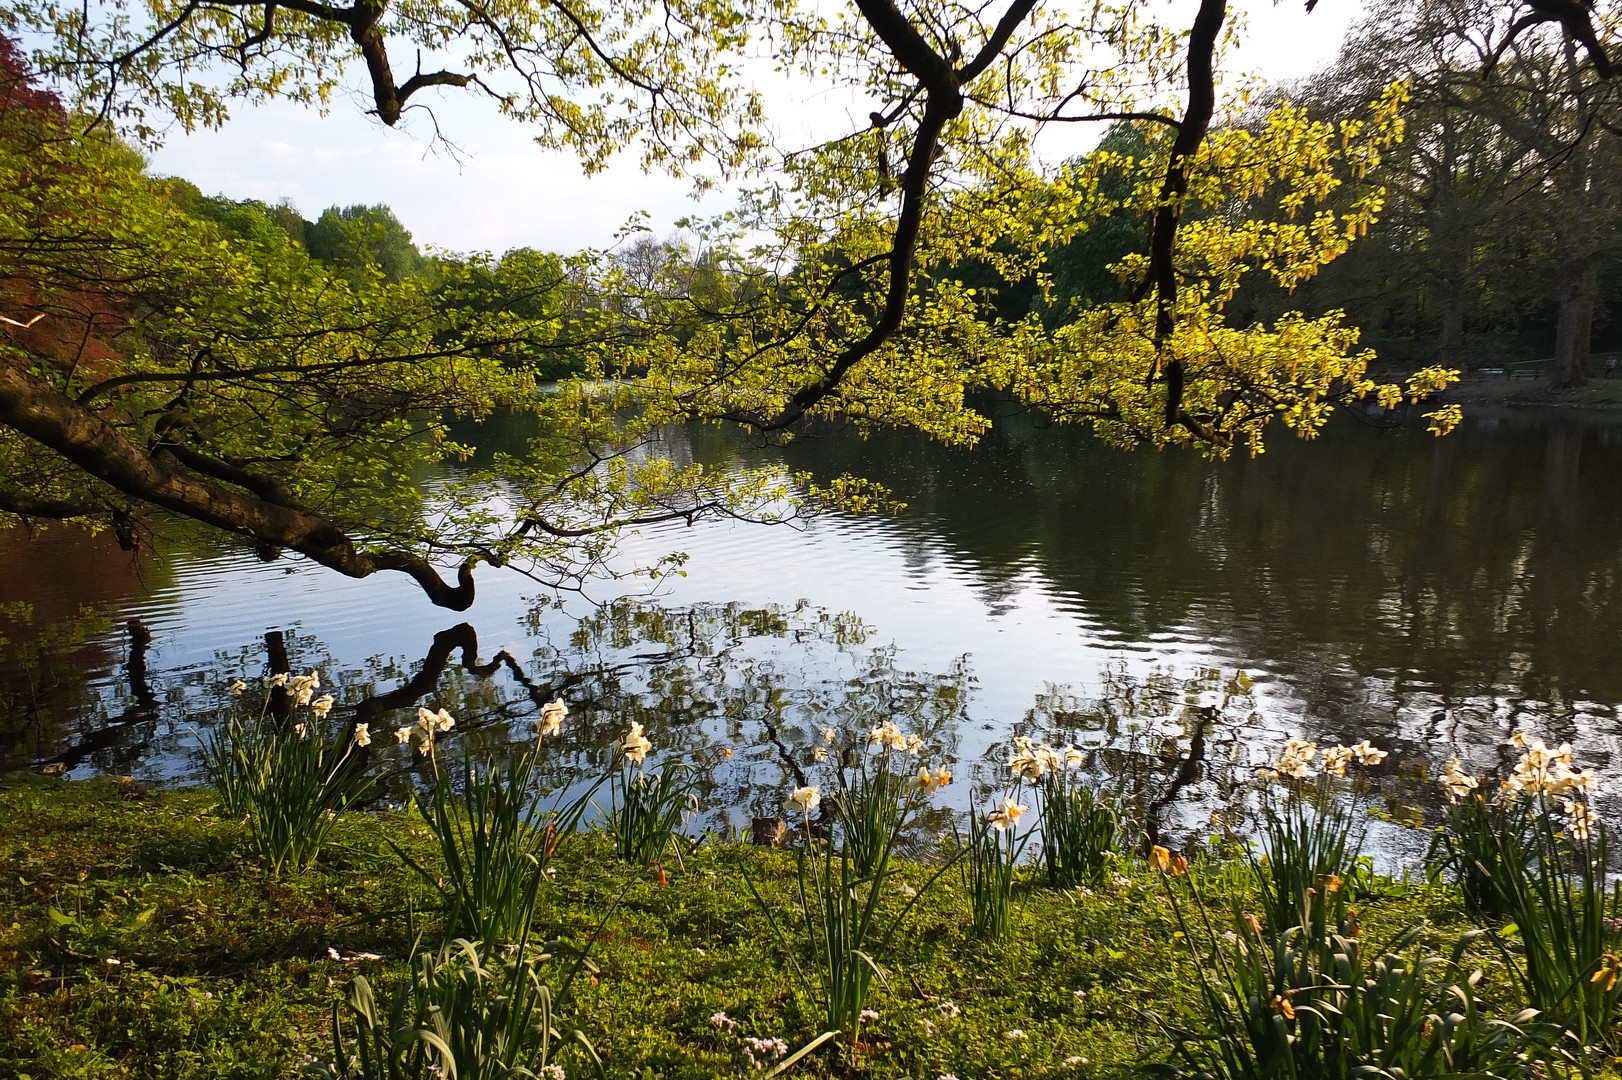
pixel 136 941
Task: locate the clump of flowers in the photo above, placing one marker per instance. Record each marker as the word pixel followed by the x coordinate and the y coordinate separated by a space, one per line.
pixel 421 734
pixel 1295 761
pixel 1541 770
pixel 889 736
pixel 770 1050
pixel 304 688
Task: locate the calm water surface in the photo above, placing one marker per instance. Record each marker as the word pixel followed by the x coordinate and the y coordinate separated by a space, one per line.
pixel 1430 595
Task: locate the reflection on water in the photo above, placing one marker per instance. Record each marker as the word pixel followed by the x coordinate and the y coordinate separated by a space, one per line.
pixel 1430 595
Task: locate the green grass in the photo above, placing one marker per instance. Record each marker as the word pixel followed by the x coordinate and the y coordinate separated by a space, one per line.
pixel 224 970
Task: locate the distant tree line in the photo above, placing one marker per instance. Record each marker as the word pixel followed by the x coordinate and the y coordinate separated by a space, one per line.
pixel 1498 239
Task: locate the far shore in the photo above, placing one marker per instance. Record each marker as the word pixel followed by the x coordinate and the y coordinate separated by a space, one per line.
pixel 1479 389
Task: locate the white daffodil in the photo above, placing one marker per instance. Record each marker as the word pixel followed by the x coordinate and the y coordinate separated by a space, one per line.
pixel 322 705
pixel 402 735
pixel 1073 758
pixel 303 730
pixel 819 754
pixel 943 776
pixel 444 721
pixel 1336 758
pixel 1456 781
pixel 1579 819
pixel 830 735
pixel 805 799
pixel 552 717
pixel 276 680
pixel 238 686
pixel 1368 755
pixel 1006 816
pixel 363 734
pixel 915 745
pixel 634 745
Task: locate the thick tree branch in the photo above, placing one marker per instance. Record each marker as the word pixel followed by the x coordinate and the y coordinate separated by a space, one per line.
pixel 34 408
pixel 943 102
pixel 1191 131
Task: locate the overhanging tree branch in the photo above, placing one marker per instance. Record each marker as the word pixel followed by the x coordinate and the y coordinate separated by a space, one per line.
pixel 34 408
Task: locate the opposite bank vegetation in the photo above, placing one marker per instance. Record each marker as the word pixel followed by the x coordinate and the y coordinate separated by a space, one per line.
pixel 268 927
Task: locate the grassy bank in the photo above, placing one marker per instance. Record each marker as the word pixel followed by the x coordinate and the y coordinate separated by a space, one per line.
pixel 136 940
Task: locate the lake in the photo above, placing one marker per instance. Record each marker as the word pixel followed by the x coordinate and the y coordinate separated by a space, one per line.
pixel 1430 595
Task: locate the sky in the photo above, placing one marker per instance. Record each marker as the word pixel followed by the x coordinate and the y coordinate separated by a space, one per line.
pixel 502 191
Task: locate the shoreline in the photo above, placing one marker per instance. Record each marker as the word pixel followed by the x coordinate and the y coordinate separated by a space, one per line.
pixel 1600 394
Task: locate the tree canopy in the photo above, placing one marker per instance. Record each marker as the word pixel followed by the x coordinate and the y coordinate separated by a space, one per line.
pixel 204 363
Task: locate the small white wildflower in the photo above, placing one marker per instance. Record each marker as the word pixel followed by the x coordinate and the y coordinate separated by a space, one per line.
pixel 1080 994
pixel 949 1010
pixel 1014 1035
pixel 554 1072
pixel 1074 1060
pixel 722 1020
pixel 866 1015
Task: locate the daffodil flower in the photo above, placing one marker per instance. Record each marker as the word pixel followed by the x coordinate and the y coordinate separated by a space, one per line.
pixel 635 745
pixel 805 799
pixel 363 734
pixel 552 716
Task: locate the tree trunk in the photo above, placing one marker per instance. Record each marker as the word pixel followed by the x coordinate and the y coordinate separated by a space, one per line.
pixel 1571 336
pixel 1450 350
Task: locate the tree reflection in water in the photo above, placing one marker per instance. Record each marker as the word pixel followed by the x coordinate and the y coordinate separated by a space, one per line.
pixel 706 679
